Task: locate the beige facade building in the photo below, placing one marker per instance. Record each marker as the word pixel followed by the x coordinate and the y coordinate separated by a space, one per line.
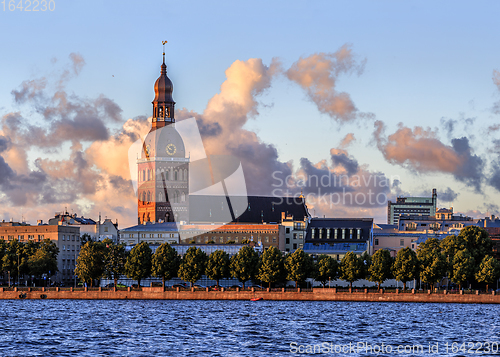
pixel 67 239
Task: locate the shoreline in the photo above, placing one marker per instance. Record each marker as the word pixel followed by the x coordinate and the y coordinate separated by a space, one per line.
pixel 316 294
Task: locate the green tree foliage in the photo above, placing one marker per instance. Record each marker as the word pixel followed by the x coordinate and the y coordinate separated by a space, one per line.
pixel 351 268
pixel 165 264
pixel 326 269
pixel 405 268
pixel 463 267
pixel 245 265
pixel 380 268
pixel 193 265
pixel 90 263
pixel 115 258
pixel 85 238
pixel 218 266
pixel 489 271
pixel 271 267
pixel 477 242
pixel 138 264
pixel 366 261
pixel 11 259
pixel 451 245
pixel 432 262
pixel 42 262
pixel 299 266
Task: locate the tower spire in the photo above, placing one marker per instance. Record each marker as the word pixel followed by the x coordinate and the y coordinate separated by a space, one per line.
pixel 164 66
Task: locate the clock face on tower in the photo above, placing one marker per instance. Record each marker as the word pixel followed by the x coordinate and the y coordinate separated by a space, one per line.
pixel 170 149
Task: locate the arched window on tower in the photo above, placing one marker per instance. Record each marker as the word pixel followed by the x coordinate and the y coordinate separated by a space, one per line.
pixel 143 216
pixel 149 196
pixel 143 175
pixel 160 112
pixel 183 197
pixel 185 174
pixel 160 197
pixel 175 175
pixel 180 175
pixel 167 174
pixel 149 218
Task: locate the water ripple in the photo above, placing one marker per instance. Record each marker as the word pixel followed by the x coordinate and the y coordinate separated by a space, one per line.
pixel 233 328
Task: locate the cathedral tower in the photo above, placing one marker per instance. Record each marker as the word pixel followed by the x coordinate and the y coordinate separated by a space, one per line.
pixel 163 177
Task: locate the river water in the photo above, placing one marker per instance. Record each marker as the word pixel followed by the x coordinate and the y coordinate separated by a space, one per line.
pixel 244 328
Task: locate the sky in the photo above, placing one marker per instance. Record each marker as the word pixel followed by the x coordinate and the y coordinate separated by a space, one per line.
pixel 351 103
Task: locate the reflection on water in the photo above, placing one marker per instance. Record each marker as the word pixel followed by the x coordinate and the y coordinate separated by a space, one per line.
pixel 237 328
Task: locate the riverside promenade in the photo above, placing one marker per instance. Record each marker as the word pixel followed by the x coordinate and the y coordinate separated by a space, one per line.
pixel 316 294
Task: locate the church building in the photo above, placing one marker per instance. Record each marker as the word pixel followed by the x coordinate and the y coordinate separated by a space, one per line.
pixel 163 177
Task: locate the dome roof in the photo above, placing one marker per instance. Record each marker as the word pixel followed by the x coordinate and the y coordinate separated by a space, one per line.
pixel 163 86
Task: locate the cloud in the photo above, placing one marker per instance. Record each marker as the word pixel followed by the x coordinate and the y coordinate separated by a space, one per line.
pixel 221 124
pixel 447 195
pixel 421 150
pixel 341 158
pixel 347 140
pixel 318 75
pixel 496 81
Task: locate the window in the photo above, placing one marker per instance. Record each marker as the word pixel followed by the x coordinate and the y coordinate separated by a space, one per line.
pixel 73 238
pixel 312 233
pixel 334 234
pixel 267 239
pixel 287 230
pixel 343 233
pixel 376 241
pixel 64 247
pixel 287 240
pixel 328 234
pixel 402 242
pixel 274 239
pixel 350 233
pixel 105 229
pixel 321 234
pixel 294 245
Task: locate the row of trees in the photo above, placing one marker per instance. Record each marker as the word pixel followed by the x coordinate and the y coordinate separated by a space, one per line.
pixel 37 259
pixel 463 257
pixel 466 257
pixel 105 259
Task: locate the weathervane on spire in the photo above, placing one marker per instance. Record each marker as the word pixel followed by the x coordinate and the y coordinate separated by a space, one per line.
pixel 163 43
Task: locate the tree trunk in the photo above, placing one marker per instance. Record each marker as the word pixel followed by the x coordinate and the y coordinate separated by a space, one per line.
pixel 459 286
pixel 296 285
pixel 378 286
pixel 350 285
pixel 116 281
pixel 217 281
pixel 269 285
pixel 404 285
pixel 243 283
pixel 163 281
pixel 138 283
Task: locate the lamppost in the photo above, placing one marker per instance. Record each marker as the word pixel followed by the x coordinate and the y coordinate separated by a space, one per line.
pixel 18 268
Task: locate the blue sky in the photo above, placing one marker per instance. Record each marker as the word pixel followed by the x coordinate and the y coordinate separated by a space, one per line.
pixel 424 63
